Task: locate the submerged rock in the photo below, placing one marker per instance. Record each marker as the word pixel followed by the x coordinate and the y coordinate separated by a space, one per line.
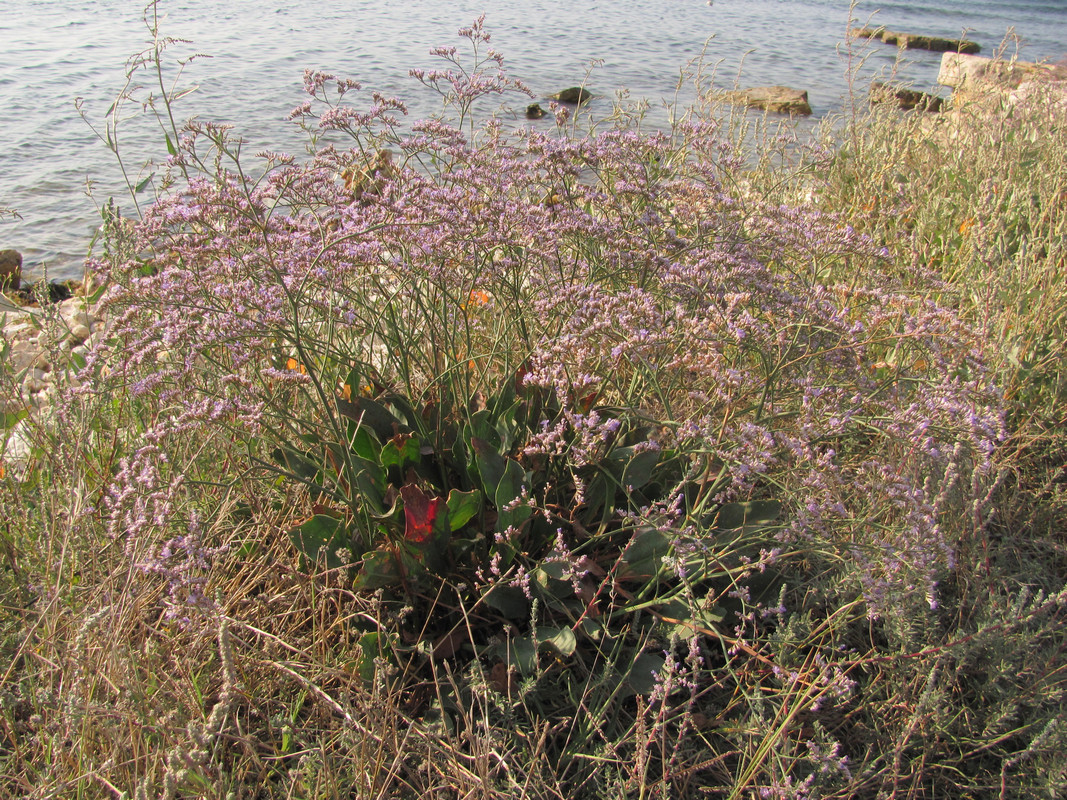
pixel 534 111
pixel 10 269
pixel 913 41
pixel 906 99
pixel 778 99
pixel 47 292
pixel 575 95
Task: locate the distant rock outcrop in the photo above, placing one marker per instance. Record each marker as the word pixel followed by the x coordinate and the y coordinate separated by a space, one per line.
pixel 913 41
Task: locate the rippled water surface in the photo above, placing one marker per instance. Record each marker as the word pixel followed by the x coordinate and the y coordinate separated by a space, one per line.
pixel 53 51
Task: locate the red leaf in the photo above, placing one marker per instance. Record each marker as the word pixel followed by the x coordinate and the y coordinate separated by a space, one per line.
pixel 420 511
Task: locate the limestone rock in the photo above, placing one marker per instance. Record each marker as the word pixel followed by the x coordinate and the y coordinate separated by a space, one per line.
pixel 575 95
pixel 979 80
pixel 976 73
pixel 905 98
pixel 10 269
pixel 779 99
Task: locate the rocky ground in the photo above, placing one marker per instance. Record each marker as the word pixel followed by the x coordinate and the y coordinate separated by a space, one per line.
pixel 38 344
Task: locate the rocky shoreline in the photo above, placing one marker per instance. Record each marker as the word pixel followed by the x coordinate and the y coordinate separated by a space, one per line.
pixel 39 343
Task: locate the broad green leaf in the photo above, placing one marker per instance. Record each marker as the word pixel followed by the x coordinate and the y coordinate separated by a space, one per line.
pixel 374 415
pixel 170 145
pixel 481 427
pixel 299 467
pixel 641 678
pixel 510 601
pixel 401 451
pixel 490 464
pixel 509 490
pixel 380 570
pixel 12 418
pixel 521 653
pixel 638 471
pixel 685 619
pixel 560 641
pixel 754 514
pixel 363 442
pixel 321 537
pixel 644 556
pixel 462 507
pixel 372 646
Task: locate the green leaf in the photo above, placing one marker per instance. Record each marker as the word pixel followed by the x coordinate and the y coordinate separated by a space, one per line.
pixel 638 470
pixel 372 646
pixel 320 537
pixel 644 556
pixel 641 678
pixel 380 570
pixel 490 465
pixel 170 145
pixel 560 641
pixel 508 490
pixel 299 467
pixel 377 417
pixel 10 419
pixel 462 507
pixel 521 653
pixel 364 443
pixel 141 186
pixel 401 451
pixel 688 620
pixel 481 427
pixel 752 515
pixel 510 601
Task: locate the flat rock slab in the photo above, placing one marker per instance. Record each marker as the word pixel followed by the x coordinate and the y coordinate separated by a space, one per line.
pixel 914 41
pixel 778 99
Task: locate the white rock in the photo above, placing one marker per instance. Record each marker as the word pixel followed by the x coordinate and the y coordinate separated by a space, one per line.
pixel 78 334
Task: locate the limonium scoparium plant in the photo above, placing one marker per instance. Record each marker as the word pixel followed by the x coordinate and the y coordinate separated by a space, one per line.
pixel 622 273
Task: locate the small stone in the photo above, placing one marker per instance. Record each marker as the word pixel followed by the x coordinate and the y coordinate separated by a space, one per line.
pixel 37 381
pixel 534 111
pixel 10 269
pixel 78 334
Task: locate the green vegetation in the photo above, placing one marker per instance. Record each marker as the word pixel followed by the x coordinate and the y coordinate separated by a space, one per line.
pixel 556 464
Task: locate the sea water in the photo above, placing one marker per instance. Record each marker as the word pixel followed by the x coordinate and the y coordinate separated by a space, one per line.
pixel 251 55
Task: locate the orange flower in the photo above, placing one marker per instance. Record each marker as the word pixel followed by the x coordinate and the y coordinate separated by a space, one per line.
pixel 293 365
pixel 966 225
pixel 478 298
